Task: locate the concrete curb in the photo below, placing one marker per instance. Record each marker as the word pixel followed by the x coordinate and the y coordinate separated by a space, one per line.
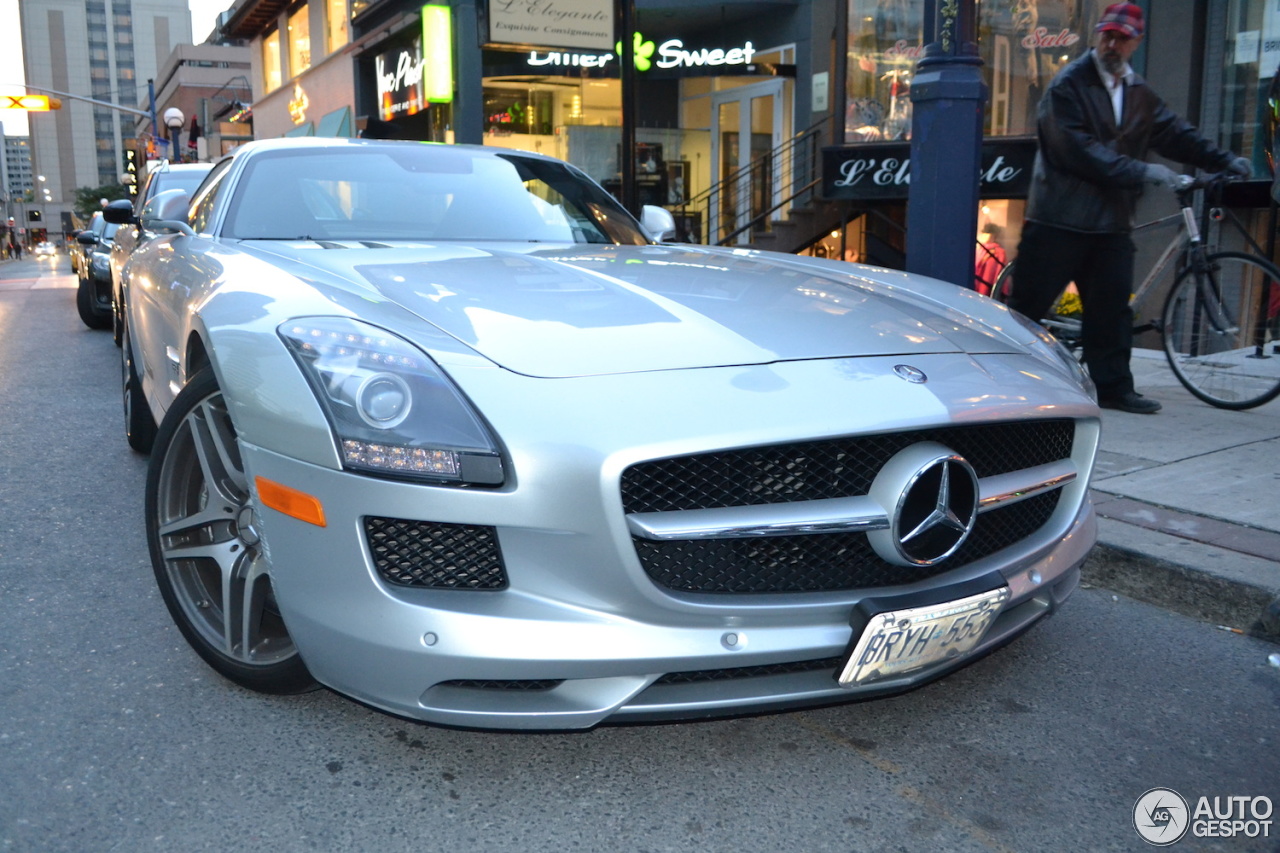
pixel 1221 598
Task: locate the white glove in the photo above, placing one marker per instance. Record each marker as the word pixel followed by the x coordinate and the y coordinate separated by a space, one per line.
pixel 1240 167
pixel 1161 175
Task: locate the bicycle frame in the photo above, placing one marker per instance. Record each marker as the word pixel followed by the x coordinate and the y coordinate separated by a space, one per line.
pixel 1187 235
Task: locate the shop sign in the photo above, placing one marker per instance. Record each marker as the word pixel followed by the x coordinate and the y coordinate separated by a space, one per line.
pixel 559 23
pixel 882 171
pixel 399 80
pixel 1043 38
pixel 671 54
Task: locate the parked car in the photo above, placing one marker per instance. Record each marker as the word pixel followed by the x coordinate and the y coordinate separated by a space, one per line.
pixel 93 292
pixel 78 251
pixel 163 177
pixel 445 429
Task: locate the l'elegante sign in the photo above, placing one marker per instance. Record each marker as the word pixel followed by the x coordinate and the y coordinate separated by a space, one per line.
pixel 582 24
pixel 882 170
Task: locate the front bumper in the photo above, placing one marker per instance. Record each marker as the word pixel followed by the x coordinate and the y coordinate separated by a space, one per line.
pixel 582 634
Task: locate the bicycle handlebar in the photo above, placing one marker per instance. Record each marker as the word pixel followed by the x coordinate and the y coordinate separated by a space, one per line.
pixel 1188 183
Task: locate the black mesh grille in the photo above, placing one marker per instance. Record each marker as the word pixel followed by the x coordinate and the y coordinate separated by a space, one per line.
pixel 829 469
pixel 822 562
pixel 748 671
pixel 518 686
pixel 436 556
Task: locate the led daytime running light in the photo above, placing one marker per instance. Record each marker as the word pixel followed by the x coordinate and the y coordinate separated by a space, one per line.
pixel 390 457
pixel 322 342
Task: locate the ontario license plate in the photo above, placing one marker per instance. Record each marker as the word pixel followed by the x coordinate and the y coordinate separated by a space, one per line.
pixel 901 641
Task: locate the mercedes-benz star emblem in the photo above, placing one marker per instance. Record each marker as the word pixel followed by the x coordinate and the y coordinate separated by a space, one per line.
pixel 914 375
pixel 937 511
pixel 930 494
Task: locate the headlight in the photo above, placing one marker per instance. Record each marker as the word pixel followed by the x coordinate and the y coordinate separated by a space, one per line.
pixel 392 409
pixel 101 262
pixel 1050 348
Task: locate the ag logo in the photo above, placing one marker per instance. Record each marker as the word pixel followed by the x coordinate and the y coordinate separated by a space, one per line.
pixel 1161 816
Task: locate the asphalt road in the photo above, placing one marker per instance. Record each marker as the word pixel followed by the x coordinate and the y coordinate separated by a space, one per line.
pixel 115 736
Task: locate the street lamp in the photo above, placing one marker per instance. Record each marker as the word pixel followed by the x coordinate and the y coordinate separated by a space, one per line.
pixel 173 119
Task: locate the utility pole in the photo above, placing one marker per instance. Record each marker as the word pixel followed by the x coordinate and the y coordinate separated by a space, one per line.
pixel 947 96
pixel 626 17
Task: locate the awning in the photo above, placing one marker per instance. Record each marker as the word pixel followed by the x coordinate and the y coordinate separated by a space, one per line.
pixel 336 123
pixel 308 129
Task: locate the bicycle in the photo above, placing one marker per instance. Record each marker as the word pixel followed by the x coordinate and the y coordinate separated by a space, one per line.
pixel 1220 322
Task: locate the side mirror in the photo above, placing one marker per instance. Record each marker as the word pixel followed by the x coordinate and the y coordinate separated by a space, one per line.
pixel 86 238
pixel 119 212
pixel 167 211
pixel 657 222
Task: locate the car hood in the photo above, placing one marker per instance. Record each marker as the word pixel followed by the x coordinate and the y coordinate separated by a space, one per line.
pixel 588 310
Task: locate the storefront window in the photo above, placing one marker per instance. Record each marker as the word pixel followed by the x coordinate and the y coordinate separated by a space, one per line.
pixel 1022 45
pixel 521 110
pixel 336 36
pixel 299 41
pixel 1249 102
pixel 885 42
pixel 271 77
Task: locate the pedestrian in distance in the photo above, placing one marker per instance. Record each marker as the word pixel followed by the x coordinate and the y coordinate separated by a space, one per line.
pixel 1096 124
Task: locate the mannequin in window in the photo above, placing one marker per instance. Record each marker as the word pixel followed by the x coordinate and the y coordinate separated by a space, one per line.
pixel 991 258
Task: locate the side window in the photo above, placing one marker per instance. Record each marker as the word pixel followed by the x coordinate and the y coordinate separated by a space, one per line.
pixel 203 206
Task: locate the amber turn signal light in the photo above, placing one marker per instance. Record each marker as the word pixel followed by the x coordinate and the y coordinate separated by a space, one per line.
pixel 291 502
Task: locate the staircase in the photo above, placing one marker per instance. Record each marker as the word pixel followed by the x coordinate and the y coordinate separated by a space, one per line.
pixel 771 203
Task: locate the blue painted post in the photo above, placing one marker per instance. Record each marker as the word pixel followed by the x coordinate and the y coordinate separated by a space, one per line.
pixel 947 96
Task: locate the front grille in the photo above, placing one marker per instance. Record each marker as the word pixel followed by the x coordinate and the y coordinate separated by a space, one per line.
pixel 822 562
pixel 827 562
pixel 434 555
pixel 835 468
pixel 703 675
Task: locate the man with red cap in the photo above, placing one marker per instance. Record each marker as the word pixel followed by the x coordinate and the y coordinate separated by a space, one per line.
pixel 1096 123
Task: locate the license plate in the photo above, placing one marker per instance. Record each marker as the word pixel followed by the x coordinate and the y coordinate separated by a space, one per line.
pixel 901 641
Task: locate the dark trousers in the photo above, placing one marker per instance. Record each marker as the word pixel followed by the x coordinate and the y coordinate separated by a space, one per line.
pixel 1101 265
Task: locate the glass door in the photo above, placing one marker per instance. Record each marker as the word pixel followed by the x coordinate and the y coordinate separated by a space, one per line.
pixel 747 126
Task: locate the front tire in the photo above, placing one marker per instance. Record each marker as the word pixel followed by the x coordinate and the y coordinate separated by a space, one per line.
pixel 86 306
pixel 205 549
pixel 117 319
pixel 139 424
pixel 1220 331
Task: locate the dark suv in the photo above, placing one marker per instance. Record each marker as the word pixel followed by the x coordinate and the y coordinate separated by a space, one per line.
pixel 93 295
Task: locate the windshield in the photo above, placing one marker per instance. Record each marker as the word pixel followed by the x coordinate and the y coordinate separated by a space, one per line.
pixel 398 191
pixel 186 179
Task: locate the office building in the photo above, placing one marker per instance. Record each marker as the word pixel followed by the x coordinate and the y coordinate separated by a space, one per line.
pixel 104 50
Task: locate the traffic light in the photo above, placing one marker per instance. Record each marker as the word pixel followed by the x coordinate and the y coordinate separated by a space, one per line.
pixel 30 103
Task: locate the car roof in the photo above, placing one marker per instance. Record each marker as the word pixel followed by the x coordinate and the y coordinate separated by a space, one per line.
pixel 313 142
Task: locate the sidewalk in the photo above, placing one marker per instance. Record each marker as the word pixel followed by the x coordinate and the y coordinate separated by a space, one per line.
pixel 1189 500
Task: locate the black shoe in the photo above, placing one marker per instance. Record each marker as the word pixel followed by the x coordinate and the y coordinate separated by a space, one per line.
pixel 1130 401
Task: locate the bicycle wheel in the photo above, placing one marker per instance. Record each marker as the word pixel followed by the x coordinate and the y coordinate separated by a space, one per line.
pixel 1063 319
pixel 1003 288
pixel 1220 330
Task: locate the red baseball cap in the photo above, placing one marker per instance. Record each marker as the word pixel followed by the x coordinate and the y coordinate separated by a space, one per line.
pixel 1122 18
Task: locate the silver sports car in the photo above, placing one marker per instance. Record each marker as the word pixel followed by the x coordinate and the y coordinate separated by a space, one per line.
pixel 444 429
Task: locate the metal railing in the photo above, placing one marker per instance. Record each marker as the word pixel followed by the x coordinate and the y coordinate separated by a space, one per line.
pixel 750 198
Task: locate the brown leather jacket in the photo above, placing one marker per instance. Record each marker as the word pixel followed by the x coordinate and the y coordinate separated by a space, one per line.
pixel 1089 171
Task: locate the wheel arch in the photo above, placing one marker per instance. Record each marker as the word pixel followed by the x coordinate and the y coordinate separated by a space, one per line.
pixel 271 403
